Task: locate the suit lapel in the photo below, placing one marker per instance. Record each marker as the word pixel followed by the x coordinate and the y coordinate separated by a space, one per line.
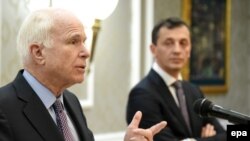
pixel 45 126
pixel 35 111
pixel 166 95
pixel 77 116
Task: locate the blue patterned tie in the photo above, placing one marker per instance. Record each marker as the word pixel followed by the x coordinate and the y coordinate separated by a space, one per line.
pixel 182 102
pixel 61 120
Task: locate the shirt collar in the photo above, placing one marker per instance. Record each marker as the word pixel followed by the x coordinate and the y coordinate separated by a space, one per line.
pixel 46 96
pixel 61 99
pixel 167 78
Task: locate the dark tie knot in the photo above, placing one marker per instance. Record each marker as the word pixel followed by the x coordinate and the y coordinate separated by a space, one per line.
pixel 177 84
pixel 58 106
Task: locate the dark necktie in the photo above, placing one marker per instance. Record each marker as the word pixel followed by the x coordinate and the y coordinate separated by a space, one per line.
pixel 182 102
pixel 61 120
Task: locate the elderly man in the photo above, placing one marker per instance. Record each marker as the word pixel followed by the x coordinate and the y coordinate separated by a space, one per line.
pixel 36 106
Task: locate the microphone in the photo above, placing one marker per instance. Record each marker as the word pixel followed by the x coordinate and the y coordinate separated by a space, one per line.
pixel 206 108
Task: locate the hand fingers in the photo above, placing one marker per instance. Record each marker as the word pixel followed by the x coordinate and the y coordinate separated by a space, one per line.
pixel 136 120
pixel 150 132
pixel 147 133
pixel 158 127
pixel 203 132
pixel 138 138
pixel 211 131
pixel 208 131
pixel 137 134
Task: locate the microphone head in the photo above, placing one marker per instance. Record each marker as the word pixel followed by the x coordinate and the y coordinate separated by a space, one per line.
pixel 202 106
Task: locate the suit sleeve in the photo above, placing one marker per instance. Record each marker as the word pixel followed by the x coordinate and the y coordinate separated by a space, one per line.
pixel 5 132
pixel 220 131
pixel 77 107
pixel 141 99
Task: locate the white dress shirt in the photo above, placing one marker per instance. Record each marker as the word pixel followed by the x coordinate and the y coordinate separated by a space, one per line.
pixel 168 79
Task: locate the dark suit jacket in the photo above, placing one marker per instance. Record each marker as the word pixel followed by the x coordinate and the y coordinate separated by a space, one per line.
pixel 153 98
pixel 23 117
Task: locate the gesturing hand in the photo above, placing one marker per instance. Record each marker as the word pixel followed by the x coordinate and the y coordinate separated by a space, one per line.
pixel 134 133
pixel 208 131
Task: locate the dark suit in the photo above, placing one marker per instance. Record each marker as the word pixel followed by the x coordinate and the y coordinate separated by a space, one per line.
pixel 23 117
pixel 153 98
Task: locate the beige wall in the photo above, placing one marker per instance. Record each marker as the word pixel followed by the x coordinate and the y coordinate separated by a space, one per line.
pixel 112 76
pixel 112 71
pixel 13 13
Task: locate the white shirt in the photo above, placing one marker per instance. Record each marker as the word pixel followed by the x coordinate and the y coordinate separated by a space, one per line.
pixel 168 79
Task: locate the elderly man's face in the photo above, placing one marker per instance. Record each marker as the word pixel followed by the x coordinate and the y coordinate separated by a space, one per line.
pixel 66 60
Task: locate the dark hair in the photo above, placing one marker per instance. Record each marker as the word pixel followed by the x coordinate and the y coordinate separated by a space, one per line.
pixel 169 23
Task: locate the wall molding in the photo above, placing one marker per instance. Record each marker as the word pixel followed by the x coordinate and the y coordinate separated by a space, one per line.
pixel 1 43
pixel 149 24
pixel 135 46
pixel 88 102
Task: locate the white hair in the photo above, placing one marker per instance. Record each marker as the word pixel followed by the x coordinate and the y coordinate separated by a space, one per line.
pixel 36 29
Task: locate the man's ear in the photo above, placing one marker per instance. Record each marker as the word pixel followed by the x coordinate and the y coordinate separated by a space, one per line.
pixel 36 52
pixel 153 49
pixel 189 54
